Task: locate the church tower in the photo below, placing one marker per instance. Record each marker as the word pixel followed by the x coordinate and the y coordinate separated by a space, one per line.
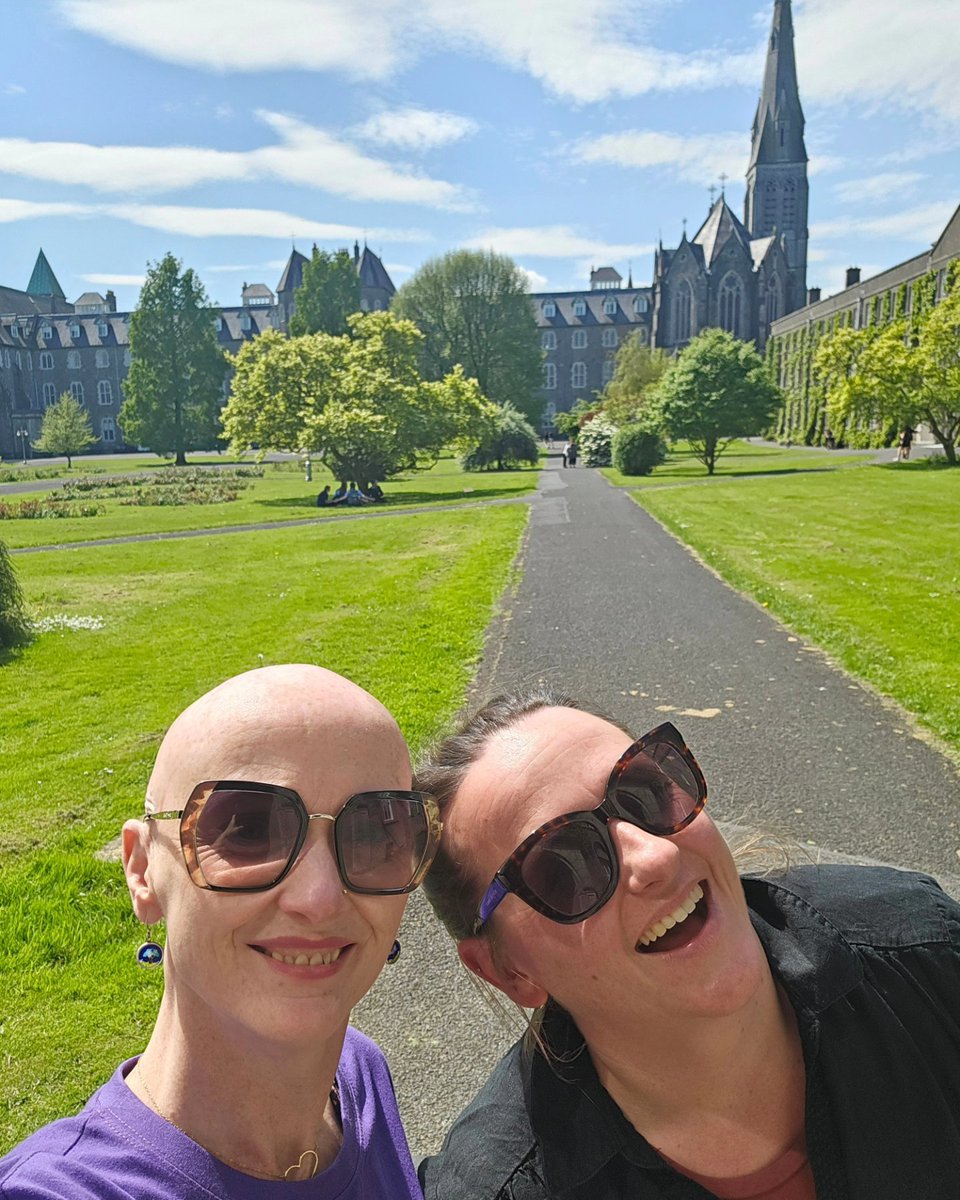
pixel 776 200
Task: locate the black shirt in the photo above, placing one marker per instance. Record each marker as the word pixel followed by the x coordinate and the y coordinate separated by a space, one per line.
pixel 870 960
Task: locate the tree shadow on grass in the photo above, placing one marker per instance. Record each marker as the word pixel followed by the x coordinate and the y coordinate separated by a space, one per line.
pixel 397 500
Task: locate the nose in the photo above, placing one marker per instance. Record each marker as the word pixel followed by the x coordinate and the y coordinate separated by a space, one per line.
pixel 645 858
pixel 313 886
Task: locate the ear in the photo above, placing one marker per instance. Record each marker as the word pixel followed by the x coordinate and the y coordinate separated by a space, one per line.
pixel 476 954
pixel 136 867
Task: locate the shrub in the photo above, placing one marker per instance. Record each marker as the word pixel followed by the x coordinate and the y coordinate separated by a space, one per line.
pixel 39 510
pixel 14 627
pixel 595 441
pixel 508 441
pixel 637 450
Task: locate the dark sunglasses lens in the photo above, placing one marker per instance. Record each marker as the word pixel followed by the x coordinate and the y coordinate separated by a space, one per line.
pixel 244 839
pixel 381 842
pixel 658 788
pixel 571 869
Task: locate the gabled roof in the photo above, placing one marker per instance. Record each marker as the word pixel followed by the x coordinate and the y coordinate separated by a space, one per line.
pixel 947 245
pixel 372 272
pixel 14 301
pixel 292 276
pixel 720 225
pixel 43 282
pixel 605 275
pixel 759 248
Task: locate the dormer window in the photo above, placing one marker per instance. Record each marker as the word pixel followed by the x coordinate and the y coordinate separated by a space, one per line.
pixel 103 331
pixel 579 308
pixel 549 309
pixel 610 307
pixel 75 332
pixel 46 331
pixel 218 324
pixel 640 304
pixel 245 322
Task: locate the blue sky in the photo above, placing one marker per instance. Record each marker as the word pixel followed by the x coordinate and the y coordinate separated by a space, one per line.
pixel 566 133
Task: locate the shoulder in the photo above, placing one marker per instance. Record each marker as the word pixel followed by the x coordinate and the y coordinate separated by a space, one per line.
pixel 872 906
pixel 491 1151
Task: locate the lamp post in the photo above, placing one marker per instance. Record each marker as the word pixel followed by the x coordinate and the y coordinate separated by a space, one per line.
pixel 25 434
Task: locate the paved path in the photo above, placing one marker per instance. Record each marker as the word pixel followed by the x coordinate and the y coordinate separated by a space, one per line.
pixel 615 610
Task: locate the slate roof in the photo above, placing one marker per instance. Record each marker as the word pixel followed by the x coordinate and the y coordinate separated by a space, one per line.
pixel 88 299
pixel 292 276
pixel 594 314
pixel 779 97
pixel 372 272
pixel 14 301
pixel 605 275
pixel 256 291
pixel 720 225
pixel 43 282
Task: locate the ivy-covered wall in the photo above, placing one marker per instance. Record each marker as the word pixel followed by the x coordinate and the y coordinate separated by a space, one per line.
pixel 803 417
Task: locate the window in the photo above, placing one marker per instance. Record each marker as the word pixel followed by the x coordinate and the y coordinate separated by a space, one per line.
pixel 46 360
pixel 245 322
pixel 108 429
pixel 549 308
pixel 731 303
pixel 609 306
pixel 18 358
pixel 773 299
pixel 364 304
pixel 218 324
pixel 548 340
pixel 102 358
pixel 75 332
pixel 49 394
pixel 77 391
pixel 579 339
pixel 579 308
pixel 549 411
pixel 6 358
pixel 103 331
pixel 578 375
pixel 607 372
pixel 46 331
pixel 609 337
pixel 640 304
pixel 683 312
pixel 127 358
pixel 73 360
pixel 549 376
pixel 104 392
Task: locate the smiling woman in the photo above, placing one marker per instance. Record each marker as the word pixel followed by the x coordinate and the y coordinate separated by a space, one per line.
pixel 281 888
pixel 697 1033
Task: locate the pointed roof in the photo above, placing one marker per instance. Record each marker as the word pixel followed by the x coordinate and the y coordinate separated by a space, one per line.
pixel 721 224
pixel 43 282
pixel 947 245
pixel 372 272
pixel 292 276
pixel 778 124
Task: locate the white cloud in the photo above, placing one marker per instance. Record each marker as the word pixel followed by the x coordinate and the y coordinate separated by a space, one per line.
pixel 692 158
pixel 554 241
pixel 395 269
pixel 885 186
pixel 304 155
pixel 115 280
pixel 13 89
pixel 415 128
pixel 535 281
pixel 920 225
pixel 25 210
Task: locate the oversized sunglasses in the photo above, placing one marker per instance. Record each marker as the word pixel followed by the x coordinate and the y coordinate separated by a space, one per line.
pixel 568 868
pixel 246 837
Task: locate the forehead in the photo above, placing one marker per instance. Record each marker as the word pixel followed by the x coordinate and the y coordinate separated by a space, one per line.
pixel 553 761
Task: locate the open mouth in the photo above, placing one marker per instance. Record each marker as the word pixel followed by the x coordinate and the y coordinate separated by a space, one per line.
pixel 678 927
pixel 301 958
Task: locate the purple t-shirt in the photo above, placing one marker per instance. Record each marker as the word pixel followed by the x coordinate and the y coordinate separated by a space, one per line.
pixel 118 1149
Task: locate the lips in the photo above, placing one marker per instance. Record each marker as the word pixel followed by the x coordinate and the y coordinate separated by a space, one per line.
pixel 677 927
pixel 299 952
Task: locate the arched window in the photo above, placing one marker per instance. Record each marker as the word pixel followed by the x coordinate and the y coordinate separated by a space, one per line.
pixel 640 304
pixel 731 303
pixel 49 394
pixel 579 339
pixel 578 375
pixel 104 392
pixel 549 376
pixel 73 360
pixel 773 298
pixel 579 308
pixel 549 308
pixel 607 370
pixel 108 429
pixel 609 307
pixel 102 358
pixel 683 311
pixel 548 340
pixel 609 337
pixel 46 360
pixel 77 391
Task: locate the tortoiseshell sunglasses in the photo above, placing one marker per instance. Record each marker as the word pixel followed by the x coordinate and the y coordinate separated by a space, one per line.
pixel 568 868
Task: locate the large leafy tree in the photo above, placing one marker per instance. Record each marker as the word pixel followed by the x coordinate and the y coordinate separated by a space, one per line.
pixel 356 402
pixel 14 626
pixel 473 309
pixel 330 292
pixel 507 441
pixel 174 388
pixel 66 429
pixel 716 391
pixel 629 396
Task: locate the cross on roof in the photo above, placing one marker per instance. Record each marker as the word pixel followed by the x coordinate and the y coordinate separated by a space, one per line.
pixel 712 189
pixel 723 183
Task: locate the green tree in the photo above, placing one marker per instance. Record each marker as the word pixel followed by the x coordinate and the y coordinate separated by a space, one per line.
pixel 637 449
pixel 358 402
pixel 174 388
pixel 329 293
pixel 66 429
pixel 596 441
pixel 716 391
pixel 508 441
pixel 570 423
pixel 14 626
pixel 473 309
pixel 630 394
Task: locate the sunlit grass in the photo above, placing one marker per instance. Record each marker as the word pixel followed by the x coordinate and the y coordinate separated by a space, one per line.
pixel 742 458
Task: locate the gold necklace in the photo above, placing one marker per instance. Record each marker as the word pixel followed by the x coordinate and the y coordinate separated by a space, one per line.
pixel 299 1165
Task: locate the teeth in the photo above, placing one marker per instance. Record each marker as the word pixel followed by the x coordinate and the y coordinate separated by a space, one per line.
pixel 677 917
pixel 319 958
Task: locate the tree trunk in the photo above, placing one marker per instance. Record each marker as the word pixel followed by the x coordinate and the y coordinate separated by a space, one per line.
pixel 68 462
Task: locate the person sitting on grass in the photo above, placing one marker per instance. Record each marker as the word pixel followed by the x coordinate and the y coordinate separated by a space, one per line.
pixel 278 843
pixel 323 496
pixel 355 497
pixel 375 492
pixel 340 494
pixel 696 1033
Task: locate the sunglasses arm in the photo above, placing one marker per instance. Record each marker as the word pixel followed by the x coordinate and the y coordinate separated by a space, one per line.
pixel 172 815
pixel 494 894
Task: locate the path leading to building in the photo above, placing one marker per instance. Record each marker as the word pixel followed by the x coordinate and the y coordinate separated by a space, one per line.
pixel 613 609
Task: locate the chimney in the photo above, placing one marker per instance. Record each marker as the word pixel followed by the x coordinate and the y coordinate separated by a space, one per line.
pixel 853 276
pixel 356 252
pixel 111 302
pixel 813 295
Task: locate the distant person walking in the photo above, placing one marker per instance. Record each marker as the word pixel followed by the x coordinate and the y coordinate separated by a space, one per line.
pixel 906 441
pixel 570 453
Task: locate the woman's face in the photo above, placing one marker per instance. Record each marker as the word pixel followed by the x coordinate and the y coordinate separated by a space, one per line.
pixel 612 966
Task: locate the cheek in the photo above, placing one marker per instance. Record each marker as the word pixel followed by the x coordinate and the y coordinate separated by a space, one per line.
pixel 382 914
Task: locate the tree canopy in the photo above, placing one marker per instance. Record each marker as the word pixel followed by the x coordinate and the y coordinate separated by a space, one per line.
pixel 716 391
pixel 356 402
pixel 629 395
pixel 473 309
pixel 174 388
pixel 507 441
pixel 14 626
pixel 66 429
pixel 329 293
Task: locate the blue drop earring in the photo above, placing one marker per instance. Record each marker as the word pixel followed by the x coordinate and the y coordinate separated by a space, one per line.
pixel 150 953
pixel 394 952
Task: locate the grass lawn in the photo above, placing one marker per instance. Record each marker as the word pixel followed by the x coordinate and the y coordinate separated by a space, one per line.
pixel 281 495
pixel 398 606
pixel 866 563
pixel 743 458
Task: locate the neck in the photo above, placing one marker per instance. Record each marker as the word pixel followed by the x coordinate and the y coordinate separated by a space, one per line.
pixel 256 1105
pixel 723 1096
